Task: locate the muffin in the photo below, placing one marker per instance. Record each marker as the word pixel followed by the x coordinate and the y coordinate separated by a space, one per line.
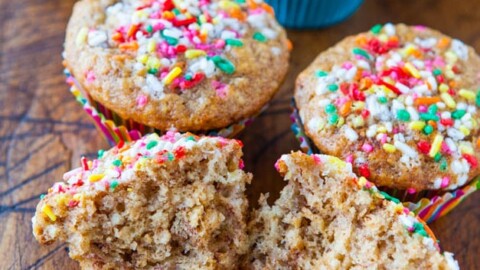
pixel 399 103
pixel 313 13
pixel 328 218
pixel 199 66
pixel 168 202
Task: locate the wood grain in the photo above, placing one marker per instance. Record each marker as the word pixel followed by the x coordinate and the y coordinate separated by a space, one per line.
pixel 43 132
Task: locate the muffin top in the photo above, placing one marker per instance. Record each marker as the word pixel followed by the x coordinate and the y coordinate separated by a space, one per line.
pixel 195 65
pixel 398 102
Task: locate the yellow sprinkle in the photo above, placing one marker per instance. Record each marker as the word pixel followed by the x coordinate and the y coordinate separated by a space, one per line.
pixel 81 36
pixel 443 88
pixel 362 181
pixel 172 75
pixel 451 57
pixel 48 211
pixel 358 105
pixel 450 74
pixel 142 58
pixel 437 143
pixel 202 18
pixel 398 208
pixel 416 125
pixel 129 189
pixel 215 20
pixel 140 164
pixel 465 148
pixel 61 199
pixel 467 94
pixel 95 177
pixel 409 50
pixel 383 38
pixel 412 70
pixel 153 62
pixel 341 121
pixel 464 130
pixel 389 148
pixel 448 100
pixel 78 197
pixel 152 45
pixel 194 53
pixel 141 14
pixel 381 130
pixel 227 5
pixel 358 121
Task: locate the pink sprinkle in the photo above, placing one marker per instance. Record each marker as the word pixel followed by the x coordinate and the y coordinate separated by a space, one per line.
pixel 366 147
pixel 406 211
pixel 241 165
pixel 220 88
pixel 169 136
pixel 142 101
pixel 90 76
pixel 445 149
pixel 420 27
pixel 158 27
pixel 347 65
pixel 317 159
pixel 445 182
pixel 411 191
pixel 422 108
pixel 220 44
pixel 349 159
pixel 395 130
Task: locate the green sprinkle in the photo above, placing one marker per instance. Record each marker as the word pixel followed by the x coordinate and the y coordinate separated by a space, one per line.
pixel 114 184
pixel 330 108
pixel 376 29
pixel 170 40
pixel 240 1
pixel 433 109
pixel 170 156
pixel 389 198
pixel 333 119
pixel 152 71
pixel 478 184
pixel 188 77
pixel 191 138
pixel 234 42
pixel 149 28
pixel 259 37
pixel 443 165
pixel 332 87
pixel 176 11
pixel 321 73
pixel 428 130
pixel 223 64
pixel 418 228
pixel 151 144
pixel 428 116
pixel 477 98
pixel 100 153
pixel 361 52
pixel 437 157
pixel 117 163
pixel 403 115
pixel 458 114
pixel 437 72
pixel 42 196
pixel 382 99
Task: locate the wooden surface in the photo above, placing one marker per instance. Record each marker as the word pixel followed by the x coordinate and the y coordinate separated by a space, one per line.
pixel 43 131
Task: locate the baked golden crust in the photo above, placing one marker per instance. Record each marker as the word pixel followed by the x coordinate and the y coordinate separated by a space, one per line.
pixel 355 141
pixel 259 69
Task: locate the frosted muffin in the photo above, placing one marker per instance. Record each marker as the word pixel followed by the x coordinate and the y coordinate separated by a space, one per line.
pixel 175 201
pixel 400 104
pixel 193 65
pixel 328 218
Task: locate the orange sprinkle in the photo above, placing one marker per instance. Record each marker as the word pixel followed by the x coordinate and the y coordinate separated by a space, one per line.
pixel 393 39
pixel 289 45
pixel 361 40
pixel 365 83
pixel 346 108
pixel 268 8
pixel 478 142
pixel 443 43
pixel 203 37
pixel 432 123
pixel 129 46
pixel 452 84
pixel 237 14
pixel 252 4
pixel 429 86
pixel 427 100
pixel 117 37
pixel 168 15
pixel 132 30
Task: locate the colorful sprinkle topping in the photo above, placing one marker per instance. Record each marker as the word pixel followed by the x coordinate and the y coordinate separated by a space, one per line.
pixel 406 98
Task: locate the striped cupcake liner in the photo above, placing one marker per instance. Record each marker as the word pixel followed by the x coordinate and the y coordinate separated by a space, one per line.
pixel 429 205
pixel 116 129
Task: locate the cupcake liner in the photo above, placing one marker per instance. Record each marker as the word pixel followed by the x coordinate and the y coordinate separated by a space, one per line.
pixel 313 13
pixel 116 129
pixel 428 205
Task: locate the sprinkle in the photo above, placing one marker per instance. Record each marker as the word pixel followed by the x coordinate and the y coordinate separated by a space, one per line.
pixel 114 184
pixel 445 182
pixel 234 42
pixel 428 129
pixel 330 108
pixel 464 130
pixel 190 54
pixel 333 119
pixel 364 171
pixel 366 147
pixel 403 115
pixel 174 73
pixel 332 87
pixel 437 72
pixel 443 165
pixel 358 51
pixel 472 160
pixel 81 36
pixel 376 29
pixel 48 211
pixel 84 162
pixel 436 145
pixel 477 98
pixel 117 163
pixel 468 95
pixel 259 37
pixel 382 99
pixel 424 147
pixel 42 196
pixel 142 100
pixel 411 68
pixel 95 177
pixel 389 148
pixel 443 88
pixel 426 100
pixel 151 145
pixel 321 73
pixel 388 197
pixel 223 64
pixel 458 114
pixel 417 125
pixel 448 100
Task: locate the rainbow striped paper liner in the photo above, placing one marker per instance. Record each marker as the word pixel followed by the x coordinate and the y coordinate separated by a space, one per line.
pixel 116 129
pixel 428 205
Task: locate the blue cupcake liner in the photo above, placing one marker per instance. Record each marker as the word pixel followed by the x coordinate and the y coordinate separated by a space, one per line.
pixel 313 13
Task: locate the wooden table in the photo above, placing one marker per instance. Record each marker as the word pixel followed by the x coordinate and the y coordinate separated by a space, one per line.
pixel 43 131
